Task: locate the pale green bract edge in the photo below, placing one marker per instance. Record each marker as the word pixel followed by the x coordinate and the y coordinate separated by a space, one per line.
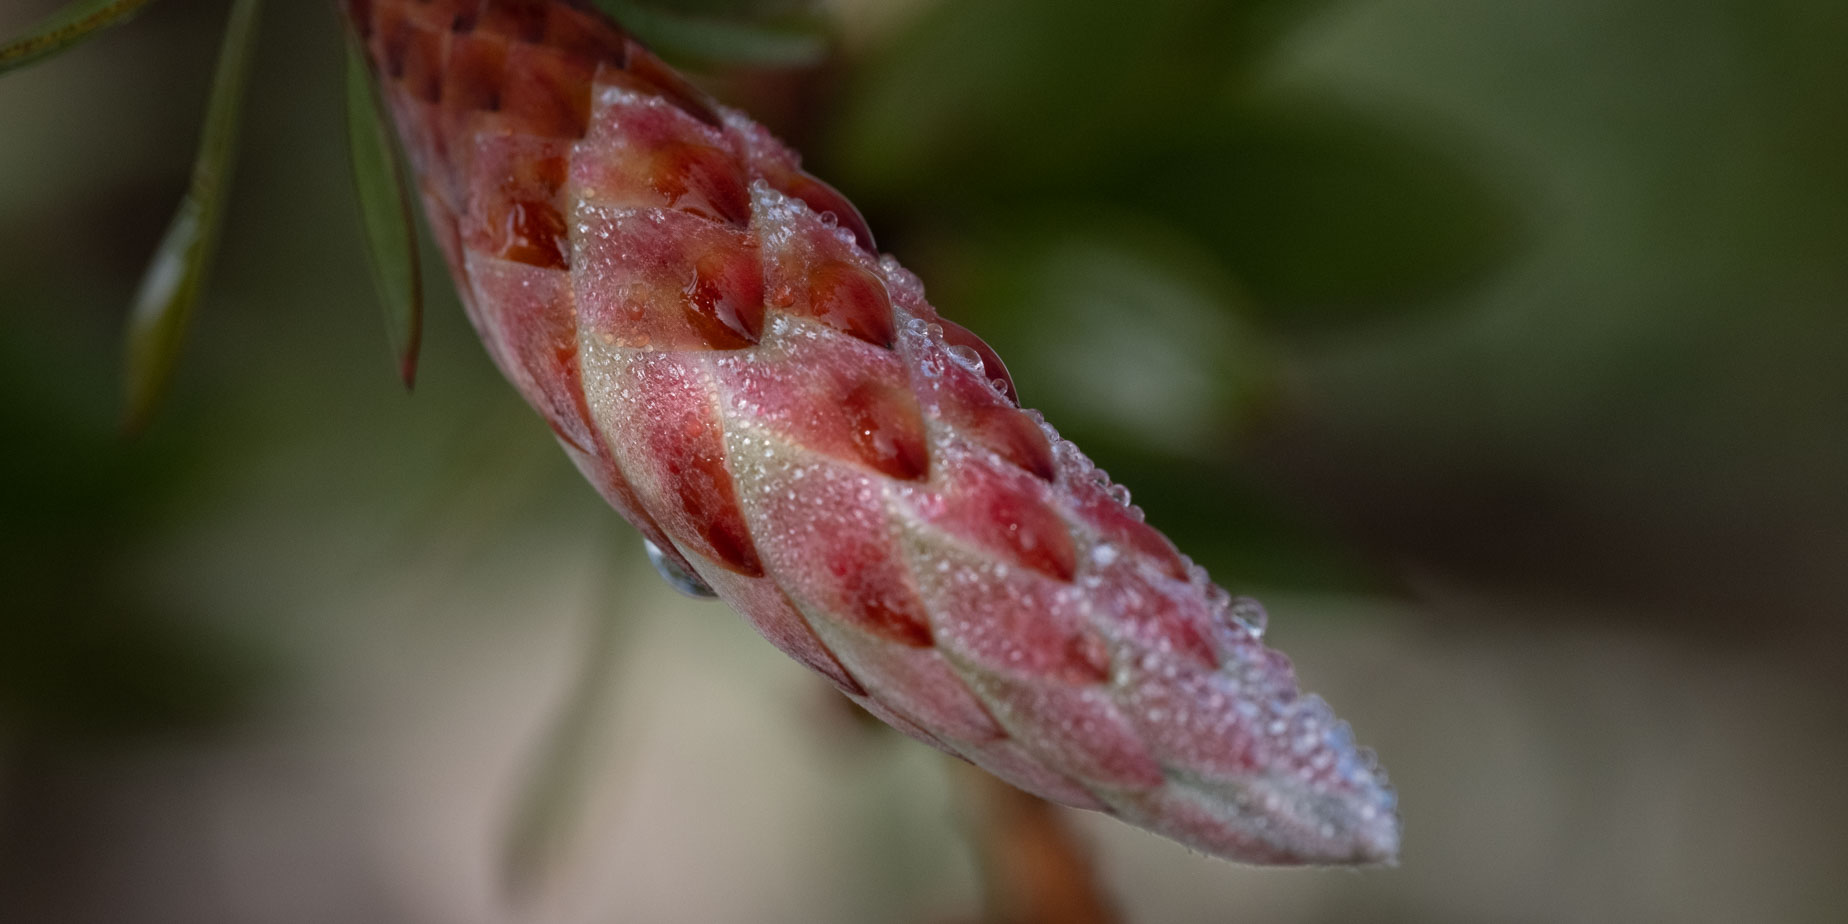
pixel 791 41
pixel 170 289
pixel 67 27
pixel 385 210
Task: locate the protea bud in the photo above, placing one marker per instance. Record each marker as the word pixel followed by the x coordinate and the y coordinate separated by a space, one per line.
pixel 719 347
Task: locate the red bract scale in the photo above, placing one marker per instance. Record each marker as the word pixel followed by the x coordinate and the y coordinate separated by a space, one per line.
pixel 794 429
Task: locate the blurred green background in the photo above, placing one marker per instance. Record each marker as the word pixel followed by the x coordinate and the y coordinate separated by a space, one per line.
pixel 1502 348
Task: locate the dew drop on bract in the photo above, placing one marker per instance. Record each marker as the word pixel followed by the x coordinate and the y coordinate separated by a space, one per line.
pixel 675 576
pixel 1250 614
pixel 967 358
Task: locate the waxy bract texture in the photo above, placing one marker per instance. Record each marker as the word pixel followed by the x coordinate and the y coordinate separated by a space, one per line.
pixel 720 349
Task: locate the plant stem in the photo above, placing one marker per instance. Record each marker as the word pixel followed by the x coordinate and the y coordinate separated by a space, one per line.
pixel 1034 868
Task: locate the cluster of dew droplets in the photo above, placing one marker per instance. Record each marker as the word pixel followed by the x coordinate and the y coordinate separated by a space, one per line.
pixel 781 214
pixel 904 284
pixel 930 333
pixel 907 289
pixel 933 352
pixel 1320 751
pixel 1244 612
pixel 1316 764
pixel 777 214
pixel 930 344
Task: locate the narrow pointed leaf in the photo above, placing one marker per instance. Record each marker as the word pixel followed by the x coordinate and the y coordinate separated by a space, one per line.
pixel 169 292
pixel 787 41
pixel 385 208
pixel 75 22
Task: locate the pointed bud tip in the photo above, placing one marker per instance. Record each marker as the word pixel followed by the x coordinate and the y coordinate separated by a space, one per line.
pixel 1351 827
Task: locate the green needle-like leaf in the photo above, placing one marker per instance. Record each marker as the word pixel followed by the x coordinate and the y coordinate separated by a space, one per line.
pixel 385 207
pixel 783 41
pixel 75 22
pixel 170 290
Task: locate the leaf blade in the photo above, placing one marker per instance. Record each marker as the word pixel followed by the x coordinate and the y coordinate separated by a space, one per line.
pixel 386 214
pixel 169 293
pixel 77 21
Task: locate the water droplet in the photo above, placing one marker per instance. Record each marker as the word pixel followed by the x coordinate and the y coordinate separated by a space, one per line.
pixel 1251 615
pixel 1218 598
pixel 966 357
pixel 675 576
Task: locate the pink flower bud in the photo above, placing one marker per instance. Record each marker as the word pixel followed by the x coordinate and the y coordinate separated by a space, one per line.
pixel 795 429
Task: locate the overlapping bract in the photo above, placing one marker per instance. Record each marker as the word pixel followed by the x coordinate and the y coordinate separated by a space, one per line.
pixel 712 336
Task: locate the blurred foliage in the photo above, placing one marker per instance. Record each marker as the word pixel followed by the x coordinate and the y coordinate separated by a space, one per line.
pixel 84 648
pixel 1014 98
pixel 1328 216
pixel 762 33
pixel 72 24
pixel 1320 210
pixel 550 805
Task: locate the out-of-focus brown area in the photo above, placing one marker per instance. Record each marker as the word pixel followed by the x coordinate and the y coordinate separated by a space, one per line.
pixel 1501 349
pixel 1034 871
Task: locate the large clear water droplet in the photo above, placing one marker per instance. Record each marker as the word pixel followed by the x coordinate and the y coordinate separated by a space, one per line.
pixel 967 358
pixel 677 577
